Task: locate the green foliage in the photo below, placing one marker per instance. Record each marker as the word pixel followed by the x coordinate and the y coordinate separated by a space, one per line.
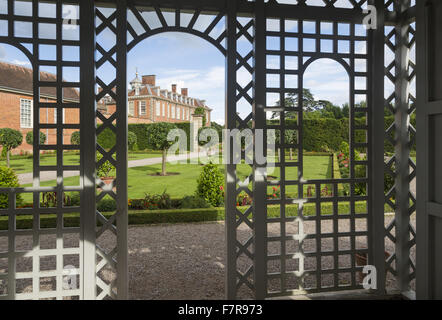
pixel 158 201
pixel 105 169
pixel 193 202
pixel 131 140
pixel 201 111
pixel 106 139
pixel 140 217
pixel 211 185
pixel 49 200
pixel 322 133
pixel 10 138
pixel 157 135
pixel 107 205
pixel 30 138
pixel 8 179
pixel 75 138
pixel 202 142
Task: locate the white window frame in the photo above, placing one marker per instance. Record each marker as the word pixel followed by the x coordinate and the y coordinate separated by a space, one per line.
pixel 178 113
pixel 55 116
pixel 131 106
pixel 31 114
pixel 157 108
pixel 173 113
pixel 163 109
pixel 143 105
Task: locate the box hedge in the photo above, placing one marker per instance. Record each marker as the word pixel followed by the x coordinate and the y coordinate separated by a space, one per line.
pixel 145 217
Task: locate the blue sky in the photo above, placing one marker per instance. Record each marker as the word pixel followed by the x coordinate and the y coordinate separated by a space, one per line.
pixel 185 60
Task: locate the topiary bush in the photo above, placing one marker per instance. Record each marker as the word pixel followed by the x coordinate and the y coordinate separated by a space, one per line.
pixel 75 138
pixel 131 140
pixel 106 205
pixel 10 139
pixel 8 179
pixel 210 185
pixel 30 138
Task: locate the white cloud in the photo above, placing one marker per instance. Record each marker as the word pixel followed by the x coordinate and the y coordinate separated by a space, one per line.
pixel 202 84
pixel 21 62
pixel 328 80
pixel 2 52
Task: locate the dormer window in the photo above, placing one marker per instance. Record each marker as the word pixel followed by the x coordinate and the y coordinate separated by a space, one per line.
pixel 137 91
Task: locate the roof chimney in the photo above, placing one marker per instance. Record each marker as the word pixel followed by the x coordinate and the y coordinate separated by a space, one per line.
pixel 184 91
pixel 150 80
pixel 174 88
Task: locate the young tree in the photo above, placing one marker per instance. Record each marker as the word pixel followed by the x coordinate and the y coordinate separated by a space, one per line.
pixel 10 139
pixel 30 138
pixel 157 139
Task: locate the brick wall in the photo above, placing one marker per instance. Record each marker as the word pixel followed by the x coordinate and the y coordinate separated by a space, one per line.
pixel 10 110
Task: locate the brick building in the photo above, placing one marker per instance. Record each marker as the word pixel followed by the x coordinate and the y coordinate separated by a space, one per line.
pixel 148 103
pixel 17 106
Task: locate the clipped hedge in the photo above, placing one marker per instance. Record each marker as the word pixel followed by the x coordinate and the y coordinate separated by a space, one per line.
pixel 145 217
pixel 106 138
pixel 329 132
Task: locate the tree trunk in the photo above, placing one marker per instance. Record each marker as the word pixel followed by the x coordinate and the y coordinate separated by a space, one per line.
pixel 163 167
pixel 7 159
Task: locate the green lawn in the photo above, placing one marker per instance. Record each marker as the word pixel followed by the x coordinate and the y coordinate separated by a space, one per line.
pixel 144 180
pixel 24 164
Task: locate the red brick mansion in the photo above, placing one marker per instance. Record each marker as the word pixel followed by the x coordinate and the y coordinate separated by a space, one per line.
pixel 149 103
pixel 17 105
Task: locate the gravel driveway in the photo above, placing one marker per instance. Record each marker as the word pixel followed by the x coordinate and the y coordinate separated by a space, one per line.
pixel 186 261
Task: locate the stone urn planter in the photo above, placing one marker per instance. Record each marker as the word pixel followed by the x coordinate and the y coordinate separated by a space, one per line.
pixel 107 180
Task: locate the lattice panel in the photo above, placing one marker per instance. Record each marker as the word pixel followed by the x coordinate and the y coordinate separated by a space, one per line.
pixel 303 255
pixel 400 72
pixel 147 21
pixel 244 219
pixel 33 259
pixel 349 4
pixel 106 70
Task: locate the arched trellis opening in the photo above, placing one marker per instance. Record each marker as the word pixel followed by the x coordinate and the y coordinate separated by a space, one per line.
pixel 246 21
pixel 138 29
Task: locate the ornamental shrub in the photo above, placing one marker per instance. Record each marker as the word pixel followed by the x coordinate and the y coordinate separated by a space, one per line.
pixel 75 138
pixel 210 185
pixel 105 169
pixel 30 138
pixel 8 179
pixel 158 201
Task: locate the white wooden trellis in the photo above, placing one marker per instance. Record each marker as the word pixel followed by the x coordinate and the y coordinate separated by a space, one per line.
pixel 103 271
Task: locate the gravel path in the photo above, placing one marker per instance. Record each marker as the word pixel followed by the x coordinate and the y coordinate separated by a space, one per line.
pixel 186 261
